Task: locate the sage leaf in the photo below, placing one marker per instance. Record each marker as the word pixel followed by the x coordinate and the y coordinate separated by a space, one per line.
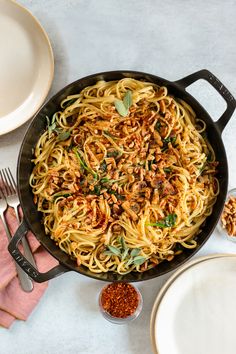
pixel 51 126
pixel 114 250
pixel 139 260
pixel 123 243
pixel 127 100
pixel 121 109
pixel 108 253
pixel 63 136
pixel 125 254
pixel 130 261
pixel 135 252
pixel 168 221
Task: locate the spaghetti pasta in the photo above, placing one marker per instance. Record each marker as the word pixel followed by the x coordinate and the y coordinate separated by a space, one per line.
pixel 124 175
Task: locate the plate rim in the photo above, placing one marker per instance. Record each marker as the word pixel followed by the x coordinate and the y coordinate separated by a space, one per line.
pixel 46 90
pixel 166 286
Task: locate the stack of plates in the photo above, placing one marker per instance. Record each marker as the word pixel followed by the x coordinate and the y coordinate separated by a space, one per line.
pixel 195 311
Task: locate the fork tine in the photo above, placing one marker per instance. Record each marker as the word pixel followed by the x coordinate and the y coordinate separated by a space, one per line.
pixel 6 188
pixel 12 179
pixel 3 184
pixel 10 183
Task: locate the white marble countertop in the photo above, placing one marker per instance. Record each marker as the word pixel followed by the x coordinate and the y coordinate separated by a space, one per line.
pixel 170 39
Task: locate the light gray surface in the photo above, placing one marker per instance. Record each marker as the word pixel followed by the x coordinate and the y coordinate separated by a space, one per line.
pixel 170 39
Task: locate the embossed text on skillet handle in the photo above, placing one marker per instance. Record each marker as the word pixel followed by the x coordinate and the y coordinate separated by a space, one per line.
pixel 25 264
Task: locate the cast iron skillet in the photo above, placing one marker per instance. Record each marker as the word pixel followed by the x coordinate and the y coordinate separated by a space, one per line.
pixel 32 218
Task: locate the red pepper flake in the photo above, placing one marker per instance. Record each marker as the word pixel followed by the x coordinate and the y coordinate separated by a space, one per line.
pixel 120 299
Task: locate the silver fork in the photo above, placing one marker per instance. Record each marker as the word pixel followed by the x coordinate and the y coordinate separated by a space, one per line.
pixel 25 282
pixel 10 193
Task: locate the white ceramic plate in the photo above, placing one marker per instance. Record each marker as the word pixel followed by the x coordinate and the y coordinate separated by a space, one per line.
pixel 196 313
pixel 26 65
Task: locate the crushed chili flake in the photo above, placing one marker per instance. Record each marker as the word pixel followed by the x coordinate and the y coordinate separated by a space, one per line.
pixel 120 299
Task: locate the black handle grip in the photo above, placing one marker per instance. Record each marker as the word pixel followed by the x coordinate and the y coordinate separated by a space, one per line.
pixel 24 263
pixel 217 84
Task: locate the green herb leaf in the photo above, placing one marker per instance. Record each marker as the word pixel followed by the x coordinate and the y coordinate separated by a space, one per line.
pixel 167 169
pixel 114 250
pixel 97 189
pixel 130 261
pixel 125 254
pixel 61 195
pixel 119 196
pixel 168 221
pixel 108 180
pixel 123 243
pixel 139 260
pixel 108 253
pixel 135 252
pixel 111 191
pixel 127 100
pixel 104 180
pixel 63 136
pixel 112 153
pixel 157 126
pixel 159 224
pixel 121 109
pixel 170 139
pixel 103 166
pixel 51 126
pixel 83 163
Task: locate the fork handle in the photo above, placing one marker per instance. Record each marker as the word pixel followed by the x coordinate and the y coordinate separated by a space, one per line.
pixel 25 282
pixel 27 250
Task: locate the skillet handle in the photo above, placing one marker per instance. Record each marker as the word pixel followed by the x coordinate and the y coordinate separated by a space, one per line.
pixel 217 84
pixel 24 263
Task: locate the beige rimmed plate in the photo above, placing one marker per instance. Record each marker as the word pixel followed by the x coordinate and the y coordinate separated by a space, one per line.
pixel 26 65
pixel 190 308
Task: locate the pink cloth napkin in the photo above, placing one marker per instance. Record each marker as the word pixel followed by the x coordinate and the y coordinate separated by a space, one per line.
pixel 14 302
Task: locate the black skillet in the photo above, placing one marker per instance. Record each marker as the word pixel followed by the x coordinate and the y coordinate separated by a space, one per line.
pixel 32 218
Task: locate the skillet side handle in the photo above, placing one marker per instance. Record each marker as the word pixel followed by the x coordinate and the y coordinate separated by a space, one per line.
pixel 24 263
pixel 217 84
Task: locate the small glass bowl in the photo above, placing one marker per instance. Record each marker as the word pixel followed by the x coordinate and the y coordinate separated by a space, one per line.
pixel 121 320
pixel 231 193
